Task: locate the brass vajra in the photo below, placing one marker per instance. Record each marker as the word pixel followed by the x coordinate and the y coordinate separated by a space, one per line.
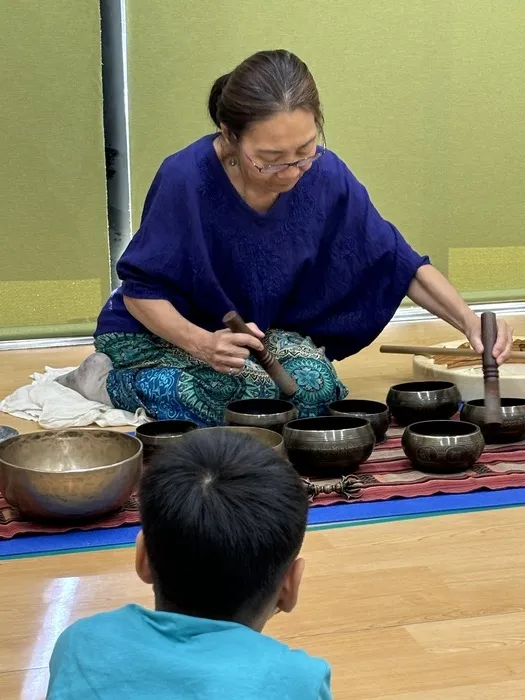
pixel 349 487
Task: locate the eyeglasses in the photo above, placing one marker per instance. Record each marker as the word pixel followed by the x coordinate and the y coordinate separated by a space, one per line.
pixel 279 167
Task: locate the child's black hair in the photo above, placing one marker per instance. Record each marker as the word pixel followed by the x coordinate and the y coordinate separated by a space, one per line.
pixel 223 517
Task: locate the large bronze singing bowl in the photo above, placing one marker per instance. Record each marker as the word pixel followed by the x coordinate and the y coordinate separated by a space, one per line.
pixel 268 438
pixel 69 473
pixel 512 428
pixel 374 411
pixel 332 446
pixel 418 401
pixel 444 446
pixel 272 414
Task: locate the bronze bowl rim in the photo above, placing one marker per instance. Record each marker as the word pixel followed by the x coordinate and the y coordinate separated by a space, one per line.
pixel 164 436
pixel 84 470
pixel 480 403
pixel 438 386
pixel 384 407
pixel 359 424
pixel 472 429
pixel 231 412
pixel 246 429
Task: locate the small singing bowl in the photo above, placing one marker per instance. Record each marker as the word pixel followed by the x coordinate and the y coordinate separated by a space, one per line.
pixel 69 474
pixel 413 402
pixel 269 438
pixel 332 446
pixel 158 433
pixel 272 414
pixel 374 411
pixel 443 446
pixel 512 428
pixel 161 433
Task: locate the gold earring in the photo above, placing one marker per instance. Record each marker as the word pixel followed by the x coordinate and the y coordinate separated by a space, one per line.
pixel 232 162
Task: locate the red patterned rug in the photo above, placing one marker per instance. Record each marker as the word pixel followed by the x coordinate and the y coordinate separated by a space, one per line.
pixel 387 474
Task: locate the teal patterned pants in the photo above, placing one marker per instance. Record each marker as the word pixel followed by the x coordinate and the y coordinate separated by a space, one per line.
pixel 171 384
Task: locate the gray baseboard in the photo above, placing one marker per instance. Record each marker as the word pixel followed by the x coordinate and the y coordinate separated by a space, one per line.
pixel 410 314
pixel 43 343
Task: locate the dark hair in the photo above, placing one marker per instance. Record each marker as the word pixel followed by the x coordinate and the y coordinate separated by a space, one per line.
pixel 263 85
pixel 223 517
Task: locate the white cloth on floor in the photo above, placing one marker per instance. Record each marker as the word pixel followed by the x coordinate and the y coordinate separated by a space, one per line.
pixel 55 406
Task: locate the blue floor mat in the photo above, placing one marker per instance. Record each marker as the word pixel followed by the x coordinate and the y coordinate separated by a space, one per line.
pixel 320 517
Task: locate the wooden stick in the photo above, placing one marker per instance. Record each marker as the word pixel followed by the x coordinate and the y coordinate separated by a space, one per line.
pixel 452 352
pixel 284 381
pixel 489 333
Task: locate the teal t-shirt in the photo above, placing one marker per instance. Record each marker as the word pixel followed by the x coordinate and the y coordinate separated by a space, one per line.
pixel 147 655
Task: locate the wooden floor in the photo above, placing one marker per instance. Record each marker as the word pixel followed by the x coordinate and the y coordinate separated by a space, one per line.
pixel 426 609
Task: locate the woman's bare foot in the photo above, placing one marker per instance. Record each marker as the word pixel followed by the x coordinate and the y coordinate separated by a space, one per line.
pixel 89 380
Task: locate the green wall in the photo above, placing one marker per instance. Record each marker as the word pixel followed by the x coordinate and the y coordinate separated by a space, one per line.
pixel 54 267
pixel 424 99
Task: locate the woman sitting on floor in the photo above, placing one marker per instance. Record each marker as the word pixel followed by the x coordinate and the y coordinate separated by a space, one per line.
pixel 259 218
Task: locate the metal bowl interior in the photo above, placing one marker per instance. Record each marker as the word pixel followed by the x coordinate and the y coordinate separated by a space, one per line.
pixel 422 387
pixel 260 407
pixel 264 413
pixel 442 430
pixel 66 474
pixel 268 438
pixel 163 430
pixel 419 401
pixel 512 427
pixel 331 446
pixel 443 446
pixel 352 406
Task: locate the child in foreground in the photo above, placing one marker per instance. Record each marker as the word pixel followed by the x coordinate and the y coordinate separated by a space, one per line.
pixel 223 521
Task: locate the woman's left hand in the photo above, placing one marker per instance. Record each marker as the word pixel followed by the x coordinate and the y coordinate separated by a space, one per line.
pixel 431 290
pixel 503 343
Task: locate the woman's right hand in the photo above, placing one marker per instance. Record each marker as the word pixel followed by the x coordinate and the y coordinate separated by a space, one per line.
pixel 227 352
pixel 223 350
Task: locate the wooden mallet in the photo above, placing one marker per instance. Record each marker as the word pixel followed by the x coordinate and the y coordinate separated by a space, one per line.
pixel 266 359
pixel 489 333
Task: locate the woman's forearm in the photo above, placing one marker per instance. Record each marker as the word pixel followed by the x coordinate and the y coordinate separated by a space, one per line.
pixel 432 291
pixel 162 318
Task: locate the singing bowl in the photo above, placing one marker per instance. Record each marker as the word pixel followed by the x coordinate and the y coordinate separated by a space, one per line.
pixel 161 433
pixel 269 438
pixel 7 432
pixel 442 445
pixel 512 428
pixel 377 413
pixel 413 402
pixel 67 474
pixel 272 414
pixel 332 446
pixel 158 433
